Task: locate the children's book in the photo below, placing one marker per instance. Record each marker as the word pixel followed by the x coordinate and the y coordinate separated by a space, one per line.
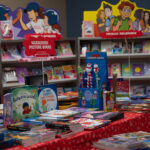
pixel 146 46
pixel 25 103
pixel 138 69
pixel 5 54
pixel 127 48
pixel 126 70
pixel 6 29
pixel 147 69
pixel 91 124
pixel 138 47
pixel 115 69
pixel 106 46
pixel 7 111
pixel 138 90
pixel 60 91
pixel 14 53
pixel 49 72
pixel 81 110
pixel 87 29
pixel 116 48
pixel 21 73
pixel 66 48
pixel 48 99
pixel 69 72
pixel 58 73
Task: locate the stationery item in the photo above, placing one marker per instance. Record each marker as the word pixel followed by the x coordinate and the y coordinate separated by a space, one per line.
pixel 25 102
pixel 91 124
pixel 47 97
pixel 21 73
pixel 138 69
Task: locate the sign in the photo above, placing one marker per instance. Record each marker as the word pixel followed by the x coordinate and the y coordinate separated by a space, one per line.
pixel 40 45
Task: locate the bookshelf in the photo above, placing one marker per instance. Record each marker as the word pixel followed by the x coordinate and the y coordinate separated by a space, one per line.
pixel 29 63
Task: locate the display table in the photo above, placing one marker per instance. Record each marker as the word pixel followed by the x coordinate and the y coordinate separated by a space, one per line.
pixel 132 122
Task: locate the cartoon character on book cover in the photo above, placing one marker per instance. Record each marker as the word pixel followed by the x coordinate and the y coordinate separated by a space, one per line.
pixel 25 103
pixel 47 98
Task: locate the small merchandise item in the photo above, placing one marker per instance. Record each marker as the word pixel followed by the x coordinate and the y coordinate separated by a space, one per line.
pixel 138 69
pixel 25 126
pixel 91 124
pixel 6 29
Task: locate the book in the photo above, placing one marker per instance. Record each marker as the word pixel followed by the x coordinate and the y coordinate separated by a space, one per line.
pixel 25 102
pixel 115 69
pixel 66 49
pixel 87 29
pixel 6 29
pixel 138 69
pixel 81 110
pixel 47 97
pixel 7 111
pixel 8 142
pixel 146 69
pixel 58 73
pixel 137 47
pixel 146 46
pixel 69 72
pixel 138 91
pixel 127 48
pixel 90 124
pixel 106 46
pixel 21 73
pixel 116 48
pixel 49 71
pixel 126 70
pixel 5 54
pixel 14 53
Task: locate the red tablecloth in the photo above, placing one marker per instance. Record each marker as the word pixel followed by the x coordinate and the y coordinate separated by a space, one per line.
pixel 83 141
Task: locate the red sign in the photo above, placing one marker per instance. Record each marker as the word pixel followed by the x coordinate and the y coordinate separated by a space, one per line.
pixel 121 34
pixel 40 45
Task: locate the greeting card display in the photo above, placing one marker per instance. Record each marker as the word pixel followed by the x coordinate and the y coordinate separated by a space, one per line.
pixel 93 80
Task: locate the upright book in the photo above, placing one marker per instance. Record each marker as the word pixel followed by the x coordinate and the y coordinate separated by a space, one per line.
pixel 25 102
pixel 48 99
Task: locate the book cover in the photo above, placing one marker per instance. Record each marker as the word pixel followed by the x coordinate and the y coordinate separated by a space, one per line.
pixel 138 90
pixel 58 73
pixel 87 29
pixel 138 47
pixel 5 54
pixel 69 72
pixel 48 99
pixel 106 46
pixel 14 53
pixel 60 91
pixel 138 69
pixel 49 71
pixel 127 48
pixel 25 103
pixel 146 46
pixel 147 69
pixel 6 29
pixel 116 48
pixel 7 111
pixel 81 110
pixel 21 73
pixel 115 69
pixel 66 48
pixel 90 124
pixel 126 70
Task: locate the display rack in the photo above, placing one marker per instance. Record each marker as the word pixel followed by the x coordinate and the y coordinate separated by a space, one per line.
pixel 60 60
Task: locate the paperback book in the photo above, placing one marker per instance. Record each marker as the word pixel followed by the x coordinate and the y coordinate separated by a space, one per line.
pixel 115 69
pixel 138 69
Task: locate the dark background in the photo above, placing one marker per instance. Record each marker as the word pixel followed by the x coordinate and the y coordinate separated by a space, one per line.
pixel 75 8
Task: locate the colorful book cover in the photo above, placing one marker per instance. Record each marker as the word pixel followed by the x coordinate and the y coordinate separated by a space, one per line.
pixel 87 29
pixel 138 69
pixel 138 47
pixel 116 48
pixel 48 99
pixel 60 113
pixel 66 48
pixel 25 103
pixel 14 53
pixel 49 72
pixel 69 72
pixel 126 70
pixel 21 73
pixel 115 69
pixel 58 73
pixel 6 29
pixel 138 90
pixel 5 54
pixel 7 111
pixel 147 69
pixel 146 46
pixel 90 124
pixel 60 91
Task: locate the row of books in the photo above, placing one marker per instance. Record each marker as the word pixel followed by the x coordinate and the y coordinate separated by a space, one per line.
pixel 135 69
pixel 135 140
pixel 112 47
pixel 18 52
pixel 11 74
